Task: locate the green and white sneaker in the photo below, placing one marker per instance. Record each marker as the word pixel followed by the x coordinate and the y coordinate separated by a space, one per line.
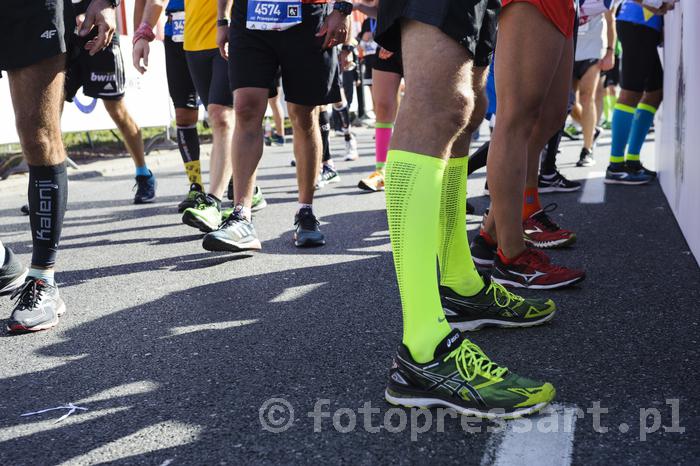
pixel 205 217
pixel 463 378
pixel 192 199
pixel 259 201
pixel 494 306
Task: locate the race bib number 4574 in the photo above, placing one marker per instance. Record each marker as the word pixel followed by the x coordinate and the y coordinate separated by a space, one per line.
pixel 273 15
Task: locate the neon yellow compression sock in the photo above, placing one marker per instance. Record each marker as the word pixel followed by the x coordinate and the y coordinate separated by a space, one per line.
pixel 413 208
pixel 457 270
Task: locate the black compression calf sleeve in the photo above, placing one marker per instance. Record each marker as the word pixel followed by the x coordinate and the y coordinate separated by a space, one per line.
pixel 325 125
pixel 188 143
pixel 48 194
pixel 549 161
pixel 478 158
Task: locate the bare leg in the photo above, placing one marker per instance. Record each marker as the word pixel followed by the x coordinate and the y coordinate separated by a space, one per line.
pixel 277 113
pixel 129 129
pixel 220 166
pixel 307 148
pixel 385 92
pixel 588 87
pixel 249 103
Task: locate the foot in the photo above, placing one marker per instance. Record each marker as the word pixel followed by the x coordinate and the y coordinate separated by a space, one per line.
pixel 277 139
pixel 205 217
pixel 483 253
pixel 556 183
pixel 292 161
pixel 307 232
pixel 619 174
pixel 637 166
pixel 463 378
pixel 607 125
pixel 38 307
pixel 585 159
pixel 12 273
pixel 259 201
pixel 328 175
pixel 486 188
pixel 236 234
pixel 192 199
pixel 494 306
pixel 374 182
pixel 532 269
pixel 145 189
pixel 571 132
pixel 351 149
pixel 541 232
pixel 470 209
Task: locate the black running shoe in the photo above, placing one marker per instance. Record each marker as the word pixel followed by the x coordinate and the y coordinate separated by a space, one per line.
pixel 38 307
pixel 193 198
pixel 12 273
pixel 463 378
pixel 470 209
pixel 556 183
pixel 585 158
pixel 494 306
pixel 638 167
pixel 307 232
pixel 483 253
pixel 24 209
pixel 235 234
pixel 145 189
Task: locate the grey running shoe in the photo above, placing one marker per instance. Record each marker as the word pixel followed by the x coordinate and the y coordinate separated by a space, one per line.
pixel 38 307
pixel 308 232
pixel 236 234
pixel 12 273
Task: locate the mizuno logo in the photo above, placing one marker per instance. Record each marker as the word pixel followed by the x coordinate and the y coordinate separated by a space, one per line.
pixel 529 277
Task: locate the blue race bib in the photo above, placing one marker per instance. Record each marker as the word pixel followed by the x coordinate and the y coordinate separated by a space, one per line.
pixel 273 15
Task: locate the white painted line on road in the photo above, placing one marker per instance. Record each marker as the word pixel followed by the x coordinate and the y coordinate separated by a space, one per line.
pixel 296 292
pixel 593 189
pixel 543 440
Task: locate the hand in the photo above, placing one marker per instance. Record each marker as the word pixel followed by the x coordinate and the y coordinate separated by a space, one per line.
pixel 335 28
pixel 607 62
pixel 346 61
pixel 222 40
pixel 140 53
pixel 99 14
pixel 384 54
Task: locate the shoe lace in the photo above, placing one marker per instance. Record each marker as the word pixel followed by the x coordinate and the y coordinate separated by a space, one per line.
pixel 28 295
pixel 502 297
pixel 471 362
pixel 306 220
pixel 544 219
pixel 539 260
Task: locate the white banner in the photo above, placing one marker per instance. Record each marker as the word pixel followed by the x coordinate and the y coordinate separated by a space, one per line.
pixel 678 139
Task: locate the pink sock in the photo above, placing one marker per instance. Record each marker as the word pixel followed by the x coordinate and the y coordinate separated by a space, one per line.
pixel 382 137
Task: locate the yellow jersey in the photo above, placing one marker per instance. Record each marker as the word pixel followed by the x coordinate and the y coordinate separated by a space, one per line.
pixel 200 25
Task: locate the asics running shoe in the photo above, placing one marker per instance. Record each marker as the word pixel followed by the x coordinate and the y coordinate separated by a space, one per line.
pixel 463 378
pixel 540 231
pixel 193 198
pixel 307 231
pixel 483 252
pixel 351 149
pixel 620 174
pixel 145 189
pixel 236 234
pixel 585 159
pixel 374 182
pixel 637 166
pixel 38 307
pixel 533 269
pixel 12 273
pixel 205 217
pixel 494 306
pixel 556 183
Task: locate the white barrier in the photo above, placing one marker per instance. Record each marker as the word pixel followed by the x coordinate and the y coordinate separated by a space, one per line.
pixel 678 138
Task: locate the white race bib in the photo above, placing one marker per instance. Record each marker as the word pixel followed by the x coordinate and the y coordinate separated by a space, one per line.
pixel 273 15
pixel 177 21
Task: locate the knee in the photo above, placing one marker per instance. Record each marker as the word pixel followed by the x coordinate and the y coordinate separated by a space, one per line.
pixel 454 113
pixel 220 117
pixel 303 118
pixel 36 141
pixel 185 116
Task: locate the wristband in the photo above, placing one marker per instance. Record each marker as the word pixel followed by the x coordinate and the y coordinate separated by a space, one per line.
pixel 145 31
pixel 222 22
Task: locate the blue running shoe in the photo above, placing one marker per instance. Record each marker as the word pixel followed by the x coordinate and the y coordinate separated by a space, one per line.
pixel 623 175
pixel 145 189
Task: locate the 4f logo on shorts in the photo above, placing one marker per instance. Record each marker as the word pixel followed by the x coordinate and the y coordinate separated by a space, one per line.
pixel 293 11
pixel 48 34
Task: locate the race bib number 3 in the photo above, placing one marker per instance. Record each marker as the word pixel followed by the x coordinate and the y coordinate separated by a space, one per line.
pixel 273 15
pixel 178 24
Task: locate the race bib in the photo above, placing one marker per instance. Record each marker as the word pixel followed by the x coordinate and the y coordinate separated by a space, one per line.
pixel 177 21
pixel 273 15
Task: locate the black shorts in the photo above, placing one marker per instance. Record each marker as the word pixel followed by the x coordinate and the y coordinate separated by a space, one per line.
pixel 582 66
pixel 180 85
pixel 612 76
pixel 101 75
pixel 209 73
pixel 368 62
pixel 393 64
pixel 33 30
pixel 472 23
pixel 641 68
pixel 309 74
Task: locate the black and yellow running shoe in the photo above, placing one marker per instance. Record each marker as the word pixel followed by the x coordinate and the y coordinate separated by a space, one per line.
pixel 463 378
pixel 494 306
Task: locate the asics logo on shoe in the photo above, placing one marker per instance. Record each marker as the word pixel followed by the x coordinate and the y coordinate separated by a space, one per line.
pixel 529 277
pixel 530 231
pixel 484 307
pixel 452 340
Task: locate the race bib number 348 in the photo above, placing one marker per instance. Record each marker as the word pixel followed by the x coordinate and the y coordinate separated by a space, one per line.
pixel 273 15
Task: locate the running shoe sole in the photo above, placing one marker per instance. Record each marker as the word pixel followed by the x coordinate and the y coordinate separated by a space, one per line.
pixel 625 182
pixel 14 284
pixel 552 286
pixel 17 328
pixel 560 243
pixel 308 243
pixel 473 325
pixel 198 223
pixel 259 206
pixel 218 244
pixel 366 187
pixel 416 401
pixel 147 200
pixel 558 190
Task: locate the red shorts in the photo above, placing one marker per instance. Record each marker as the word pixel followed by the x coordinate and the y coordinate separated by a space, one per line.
pixel 560 12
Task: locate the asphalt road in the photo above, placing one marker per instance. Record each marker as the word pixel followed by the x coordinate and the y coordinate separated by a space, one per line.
pixel 174 350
